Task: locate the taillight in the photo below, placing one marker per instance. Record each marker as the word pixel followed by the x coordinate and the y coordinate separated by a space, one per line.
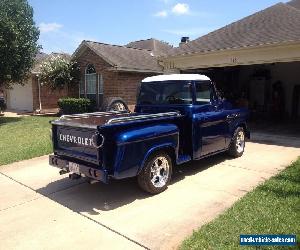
pixel 97 140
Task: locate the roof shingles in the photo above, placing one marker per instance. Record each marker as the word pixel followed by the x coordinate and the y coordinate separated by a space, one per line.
pixel 295 4
pixel 277 24
pixel 124 58
pixel 158 48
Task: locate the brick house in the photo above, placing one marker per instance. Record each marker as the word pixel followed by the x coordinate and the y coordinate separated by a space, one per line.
pixel 114 71
pixel 32 96
pixel 106 71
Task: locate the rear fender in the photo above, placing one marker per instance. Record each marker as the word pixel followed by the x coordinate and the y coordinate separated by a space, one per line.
pixel 167 147
pixel 135 145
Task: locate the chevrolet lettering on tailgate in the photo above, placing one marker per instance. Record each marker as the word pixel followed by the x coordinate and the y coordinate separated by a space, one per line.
pixel 76 139
pixel 178 118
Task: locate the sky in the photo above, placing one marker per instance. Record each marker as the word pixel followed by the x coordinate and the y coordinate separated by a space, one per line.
pixel 64 24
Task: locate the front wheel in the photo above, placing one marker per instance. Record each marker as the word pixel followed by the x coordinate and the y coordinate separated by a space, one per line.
pixel 237 145
pixel 156 174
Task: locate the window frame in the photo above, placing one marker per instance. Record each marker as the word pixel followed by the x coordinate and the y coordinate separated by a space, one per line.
pixel 213 95
pixel 99 87
pixel 86 85
pixel 167 104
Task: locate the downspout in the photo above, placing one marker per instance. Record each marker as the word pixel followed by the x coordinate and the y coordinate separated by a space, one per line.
pixel 39 86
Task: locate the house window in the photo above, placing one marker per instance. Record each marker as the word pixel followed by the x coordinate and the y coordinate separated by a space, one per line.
pixel 92 85
pixel 91 82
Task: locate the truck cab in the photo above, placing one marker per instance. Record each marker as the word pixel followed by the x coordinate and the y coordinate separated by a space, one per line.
pixel 178 118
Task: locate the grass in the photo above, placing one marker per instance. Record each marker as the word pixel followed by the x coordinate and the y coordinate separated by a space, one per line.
pixel 24 138
pixel 271 208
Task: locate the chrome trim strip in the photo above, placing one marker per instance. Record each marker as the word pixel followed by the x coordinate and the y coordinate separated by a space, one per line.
pixel 141 117
pixel 73 124
pixel 93 114
pixel 70 120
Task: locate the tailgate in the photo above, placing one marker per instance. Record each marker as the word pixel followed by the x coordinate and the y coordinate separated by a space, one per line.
pixel 77 143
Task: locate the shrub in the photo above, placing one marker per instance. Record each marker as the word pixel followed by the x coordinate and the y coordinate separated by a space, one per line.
pixel 75 105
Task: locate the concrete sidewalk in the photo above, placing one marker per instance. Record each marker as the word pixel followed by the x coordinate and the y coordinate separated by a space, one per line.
pixel 40 209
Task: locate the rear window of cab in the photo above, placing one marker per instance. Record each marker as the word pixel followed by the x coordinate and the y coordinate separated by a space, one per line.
pixel 174 92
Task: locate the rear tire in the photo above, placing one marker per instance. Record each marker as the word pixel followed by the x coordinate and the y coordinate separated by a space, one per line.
pixel 237 146
pixel 156 173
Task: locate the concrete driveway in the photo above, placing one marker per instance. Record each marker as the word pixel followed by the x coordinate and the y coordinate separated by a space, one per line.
pixel 41 210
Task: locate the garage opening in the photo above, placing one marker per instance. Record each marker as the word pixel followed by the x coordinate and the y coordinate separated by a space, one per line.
pixel 270 91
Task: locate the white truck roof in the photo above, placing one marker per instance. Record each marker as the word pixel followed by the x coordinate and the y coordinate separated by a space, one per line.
pixel 176 77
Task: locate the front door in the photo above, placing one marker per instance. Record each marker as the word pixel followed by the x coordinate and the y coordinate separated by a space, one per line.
pixel 209 121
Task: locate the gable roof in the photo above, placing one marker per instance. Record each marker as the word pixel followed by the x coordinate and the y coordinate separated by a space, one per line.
pixel 123 58
pixel 158 47
pixel 277 24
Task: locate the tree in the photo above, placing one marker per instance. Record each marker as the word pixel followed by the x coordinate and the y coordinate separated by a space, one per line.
pixel 18 41
pixel 58 71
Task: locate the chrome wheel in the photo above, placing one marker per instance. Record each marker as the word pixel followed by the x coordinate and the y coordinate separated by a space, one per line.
pixel 160 171
pixel 156 173
pixel 240 142
pixel 118 106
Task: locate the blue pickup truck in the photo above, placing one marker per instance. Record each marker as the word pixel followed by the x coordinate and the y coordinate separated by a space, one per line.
pixel 178 118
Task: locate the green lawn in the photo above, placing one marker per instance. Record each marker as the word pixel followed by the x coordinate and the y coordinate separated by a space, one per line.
pixel 271 208
pixel 24 138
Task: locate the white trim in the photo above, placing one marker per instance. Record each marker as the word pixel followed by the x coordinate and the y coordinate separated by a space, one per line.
pixel 176 77
pixel 231 49
pixel 234 57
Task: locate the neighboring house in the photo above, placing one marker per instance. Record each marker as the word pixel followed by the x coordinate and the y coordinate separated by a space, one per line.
pixel 107 70
pixel 251 55
pixel 33 96
pixel 115 71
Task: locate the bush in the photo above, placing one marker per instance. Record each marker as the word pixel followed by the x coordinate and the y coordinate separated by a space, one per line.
pixel 75 105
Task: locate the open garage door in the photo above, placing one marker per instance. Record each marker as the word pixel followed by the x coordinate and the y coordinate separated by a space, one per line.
pixel 270 91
